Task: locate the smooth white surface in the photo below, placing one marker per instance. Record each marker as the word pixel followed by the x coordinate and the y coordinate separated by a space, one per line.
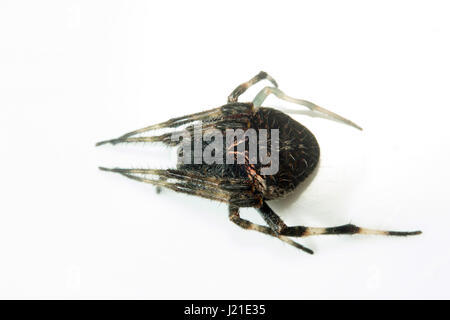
pixel 76 72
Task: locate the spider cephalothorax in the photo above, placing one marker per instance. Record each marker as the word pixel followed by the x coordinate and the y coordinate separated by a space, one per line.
pixel 240 175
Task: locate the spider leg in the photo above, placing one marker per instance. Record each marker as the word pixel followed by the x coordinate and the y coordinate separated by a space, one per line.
pixel 233 97
pixel 275 222
pixel 235 191
pixel 245 224
pixel 164 138
pixel 172 123
pixel 229 115
pixel 262 95
pixel 159 188
pixel 178 180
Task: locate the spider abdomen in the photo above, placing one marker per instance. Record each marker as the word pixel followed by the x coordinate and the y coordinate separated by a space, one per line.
pixel 298 152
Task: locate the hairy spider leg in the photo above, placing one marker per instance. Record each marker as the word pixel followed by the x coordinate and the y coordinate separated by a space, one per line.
pixel 209 118
pixel 245 224
pixel 172 123
pixel 228 190
pixel 164 138
pixel 233 97
pixel 184 183
pixel 262 95
pixel 278 226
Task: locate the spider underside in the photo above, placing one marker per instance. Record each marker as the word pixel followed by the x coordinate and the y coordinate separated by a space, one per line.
pixel 243 185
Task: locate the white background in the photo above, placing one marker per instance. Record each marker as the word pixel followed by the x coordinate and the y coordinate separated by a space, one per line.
pixel 76 72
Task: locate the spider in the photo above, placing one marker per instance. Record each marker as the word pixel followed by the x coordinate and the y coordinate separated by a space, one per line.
pixel 243 184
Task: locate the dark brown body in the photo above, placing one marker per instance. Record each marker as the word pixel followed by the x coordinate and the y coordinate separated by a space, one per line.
pixel 298 151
